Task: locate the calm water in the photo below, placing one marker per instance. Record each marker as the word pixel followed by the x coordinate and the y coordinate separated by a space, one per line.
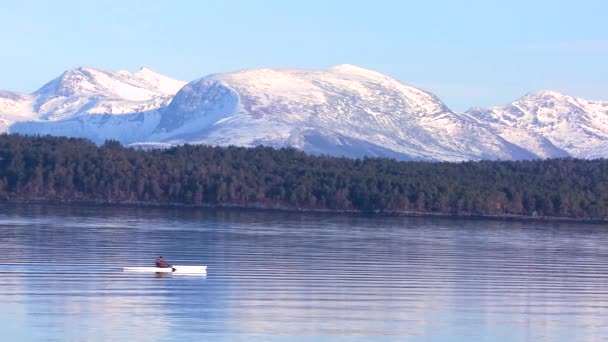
pixel 291 277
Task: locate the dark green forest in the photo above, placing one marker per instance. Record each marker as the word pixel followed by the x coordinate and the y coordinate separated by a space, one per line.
pixel 69 169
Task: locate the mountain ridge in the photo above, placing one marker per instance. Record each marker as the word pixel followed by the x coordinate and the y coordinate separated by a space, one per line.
pixel 343 110
pixel 577 126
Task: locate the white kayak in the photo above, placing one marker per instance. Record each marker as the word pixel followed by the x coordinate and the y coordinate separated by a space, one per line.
pixel 178 269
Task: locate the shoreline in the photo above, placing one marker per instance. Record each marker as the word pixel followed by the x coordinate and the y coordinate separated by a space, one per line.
pixel 287 209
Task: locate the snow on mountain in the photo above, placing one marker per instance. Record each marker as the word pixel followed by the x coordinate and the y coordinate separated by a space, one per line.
pixel 92 91
pixel 153 80
pixel 91 103
pixel 344 110
pixel 552 124
pixel 126 128
pixel 14 107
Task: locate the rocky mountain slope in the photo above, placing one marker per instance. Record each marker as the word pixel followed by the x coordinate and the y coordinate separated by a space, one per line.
pixel 576 126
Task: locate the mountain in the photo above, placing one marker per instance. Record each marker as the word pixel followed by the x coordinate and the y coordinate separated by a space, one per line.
pixel 91 103
pixel 552 124
pixel 14 107
pixel 92 91
pixel 344 111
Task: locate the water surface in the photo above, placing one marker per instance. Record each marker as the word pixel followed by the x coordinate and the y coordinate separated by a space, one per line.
pixel 297 277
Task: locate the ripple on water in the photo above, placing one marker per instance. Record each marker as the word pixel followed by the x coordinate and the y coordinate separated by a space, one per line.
pixel 284 275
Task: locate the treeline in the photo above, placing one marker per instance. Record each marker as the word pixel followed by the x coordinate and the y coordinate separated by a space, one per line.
pixel 54 168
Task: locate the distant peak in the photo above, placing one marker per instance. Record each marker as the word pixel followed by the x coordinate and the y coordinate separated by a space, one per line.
pixel 545 93
pixel 350 69
pixel 81 71
pixel 73 71
pixel 160 82
pixel 85 69
pixel 144 70
pixel 147 73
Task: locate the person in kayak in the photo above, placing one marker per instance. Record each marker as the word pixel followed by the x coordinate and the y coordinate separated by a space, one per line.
pixel 162 263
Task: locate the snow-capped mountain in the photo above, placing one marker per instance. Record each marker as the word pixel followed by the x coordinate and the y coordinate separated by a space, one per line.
pixel 92 91
pixel 91 103
pixel 552 124
pixel 15 107
pixel 343 111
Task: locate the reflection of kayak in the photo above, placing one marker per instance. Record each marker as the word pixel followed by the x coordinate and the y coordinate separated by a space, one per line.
pixel 178 269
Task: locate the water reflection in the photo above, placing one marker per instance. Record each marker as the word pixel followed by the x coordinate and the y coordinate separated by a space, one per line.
pixel 303 277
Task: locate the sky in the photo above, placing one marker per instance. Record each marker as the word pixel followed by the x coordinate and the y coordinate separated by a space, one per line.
pixel 470 53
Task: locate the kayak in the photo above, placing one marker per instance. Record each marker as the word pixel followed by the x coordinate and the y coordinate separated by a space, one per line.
pixel 178 269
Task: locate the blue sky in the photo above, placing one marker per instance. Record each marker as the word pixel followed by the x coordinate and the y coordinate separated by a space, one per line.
pixel 468 52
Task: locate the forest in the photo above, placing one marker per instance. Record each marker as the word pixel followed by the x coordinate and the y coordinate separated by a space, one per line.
pixel 46 168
